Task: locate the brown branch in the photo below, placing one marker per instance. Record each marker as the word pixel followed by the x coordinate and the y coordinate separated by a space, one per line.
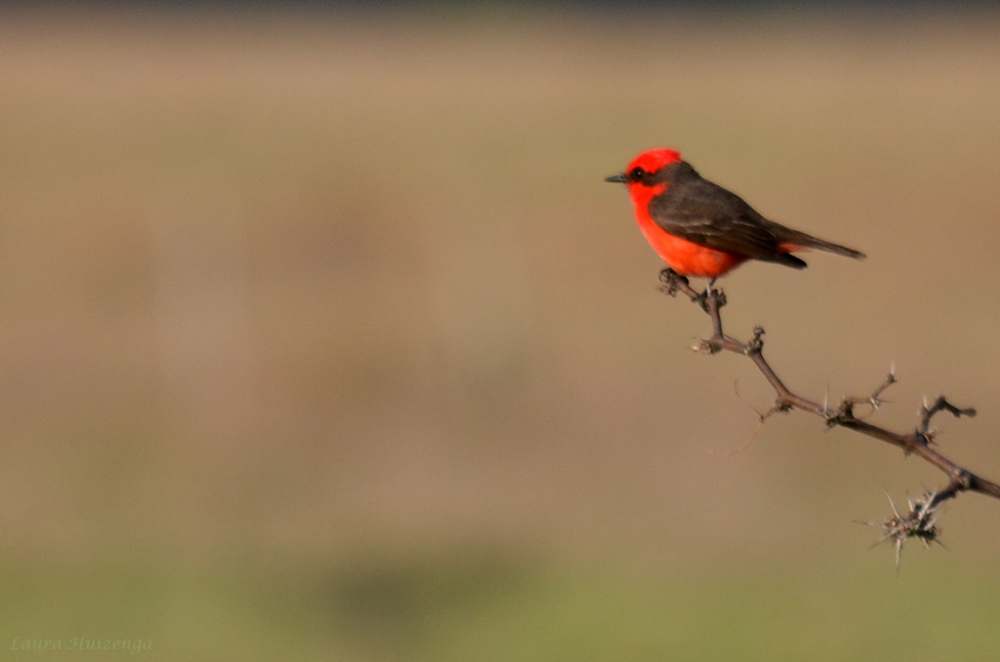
pixel 919 522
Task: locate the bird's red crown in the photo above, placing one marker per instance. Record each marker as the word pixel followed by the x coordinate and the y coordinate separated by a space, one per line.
pixel 654 159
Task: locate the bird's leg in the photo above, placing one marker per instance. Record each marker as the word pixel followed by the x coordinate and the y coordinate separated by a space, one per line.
pixel 702 300
pixel 709 292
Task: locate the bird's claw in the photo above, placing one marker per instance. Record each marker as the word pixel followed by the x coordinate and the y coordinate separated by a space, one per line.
pixel 702 300
pixel 671 282
pixel 710 294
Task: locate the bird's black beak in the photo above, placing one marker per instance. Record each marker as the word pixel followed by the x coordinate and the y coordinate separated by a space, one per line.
pixel 617 179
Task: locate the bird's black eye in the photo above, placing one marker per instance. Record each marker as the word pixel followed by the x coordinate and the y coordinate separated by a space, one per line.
pixel 636 174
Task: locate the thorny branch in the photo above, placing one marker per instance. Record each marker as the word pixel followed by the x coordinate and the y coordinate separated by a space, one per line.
pixel 920 521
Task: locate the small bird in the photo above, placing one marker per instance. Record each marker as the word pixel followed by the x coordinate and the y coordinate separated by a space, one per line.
pixel 701 229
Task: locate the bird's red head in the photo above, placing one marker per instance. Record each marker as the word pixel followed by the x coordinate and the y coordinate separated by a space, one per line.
pixel 640 174
pixel 652 160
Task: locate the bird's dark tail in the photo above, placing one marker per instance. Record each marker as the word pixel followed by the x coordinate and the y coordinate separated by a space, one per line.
pixel 794 239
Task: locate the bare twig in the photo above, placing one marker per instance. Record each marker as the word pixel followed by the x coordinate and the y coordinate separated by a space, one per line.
pixel 919 522
pixel 875 399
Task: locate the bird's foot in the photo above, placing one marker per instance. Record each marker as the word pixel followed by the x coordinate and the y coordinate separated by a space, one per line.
pixel 671 282
pixel 702 300
pixel 718 295
pixel 708 297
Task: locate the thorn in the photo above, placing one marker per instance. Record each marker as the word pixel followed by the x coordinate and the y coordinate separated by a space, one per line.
pixel 919 522
pixel 891 502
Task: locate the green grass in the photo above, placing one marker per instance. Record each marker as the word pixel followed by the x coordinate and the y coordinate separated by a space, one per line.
pixel 486 608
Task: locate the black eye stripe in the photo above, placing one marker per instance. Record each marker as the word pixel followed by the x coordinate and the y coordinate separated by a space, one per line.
pixel 637 173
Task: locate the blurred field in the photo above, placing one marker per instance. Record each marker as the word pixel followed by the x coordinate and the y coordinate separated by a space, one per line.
pixel 322 337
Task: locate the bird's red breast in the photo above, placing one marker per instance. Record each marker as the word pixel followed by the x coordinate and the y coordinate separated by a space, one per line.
pixel 685 257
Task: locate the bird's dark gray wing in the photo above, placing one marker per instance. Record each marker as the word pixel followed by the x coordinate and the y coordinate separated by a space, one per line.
pixel 702 212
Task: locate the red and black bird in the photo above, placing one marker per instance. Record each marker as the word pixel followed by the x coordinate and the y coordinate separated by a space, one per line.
pixel 701 229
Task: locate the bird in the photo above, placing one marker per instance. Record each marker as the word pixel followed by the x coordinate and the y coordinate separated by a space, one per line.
pixel 703 230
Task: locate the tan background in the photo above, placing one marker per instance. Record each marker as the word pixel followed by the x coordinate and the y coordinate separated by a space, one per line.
pixel 320 334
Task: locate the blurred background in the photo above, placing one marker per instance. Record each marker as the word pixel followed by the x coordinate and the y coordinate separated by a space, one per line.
pixel 322 338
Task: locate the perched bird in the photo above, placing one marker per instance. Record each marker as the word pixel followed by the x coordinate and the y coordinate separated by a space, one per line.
pixel 701 229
